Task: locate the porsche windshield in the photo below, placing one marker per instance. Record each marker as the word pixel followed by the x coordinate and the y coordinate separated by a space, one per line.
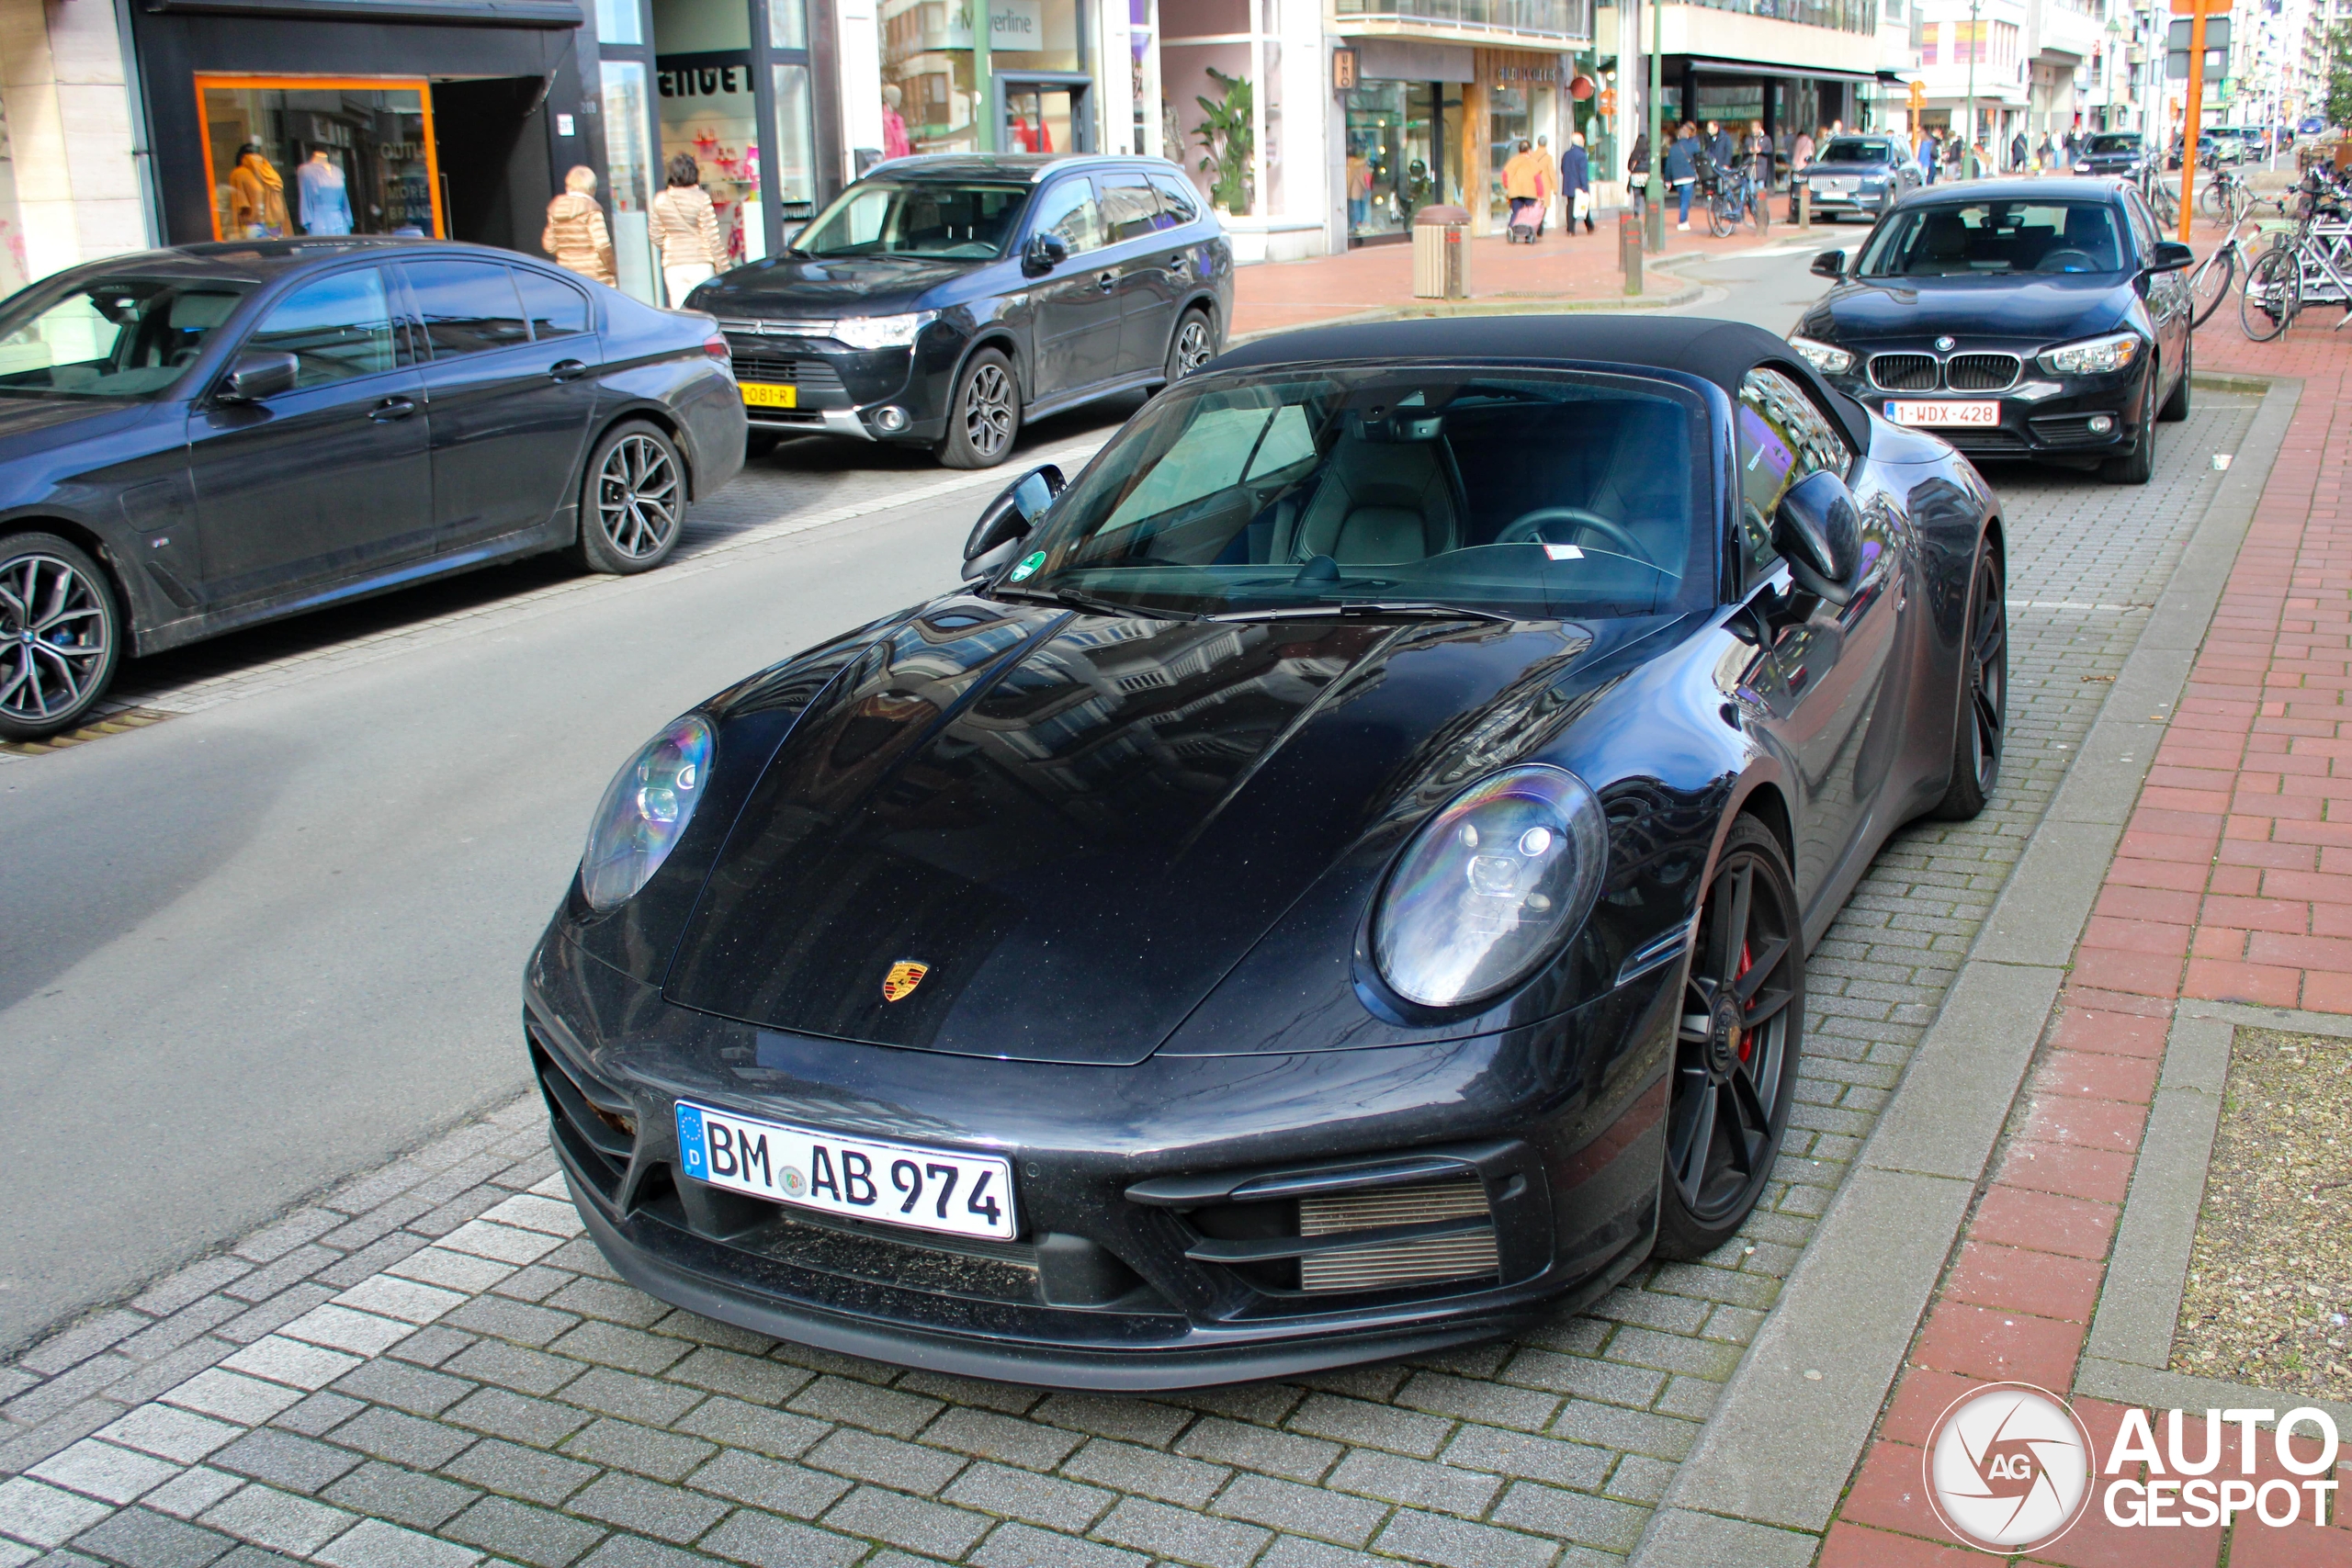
pixel 916 218
pixel 1518 493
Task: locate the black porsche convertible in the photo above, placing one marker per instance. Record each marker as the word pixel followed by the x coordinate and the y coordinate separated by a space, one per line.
pixel 1335 883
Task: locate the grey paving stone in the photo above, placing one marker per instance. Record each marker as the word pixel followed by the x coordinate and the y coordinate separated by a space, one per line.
pixel 742 1426
pixel 1362 1422
pixel 764 1483
pixel 629 1396
pixel 278 1521
pixel 538 1422
pixel 1501 1452
pixel 515 1367
pixel 1264 1403
pixel 372 1543
pixel 1024 1494
pixel 1110 1415
pixel 1415 1483
pixel 528 1473
pixel 518 1322
pixel 1004 1398
pixel 1258 1448
pixel 665 1455
pixel 1018 1546
pixel 192 1284
pixel 1458 1543
pixel 138 1538
pixel 1586 1377
pixel 1182 1536
pixel 863 1404
pixel 991 1435
pixel 180 1436
pixel 192 1492
pixel 767 1542
pixel 751 1378
pixel 636 1503
pixel 1302 1510
pixel 319 1415
pixel 1639 1479
pixel 1571 1516
pixel 285 1459
pixel 387 1492
pixel 1634 1431
pixel 412 1389
pixel 614 1303
pixel 522 1533
pixel 1123 1467
pixel 700 1330
pixel 611 1345
pixel 884 1461
pixel 1471 1399
pixel 404 1439
pixel 911 1522
pixel 100 1469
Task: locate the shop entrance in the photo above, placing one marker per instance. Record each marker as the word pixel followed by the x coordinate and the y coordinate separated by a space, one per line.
pixel 1044 112
pixel 1395 151
pixel 492 156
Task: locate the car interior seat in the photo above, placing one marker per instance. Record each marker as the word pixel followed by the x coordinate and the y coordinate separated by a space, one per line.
pixel 1942 245
pixel 1381 502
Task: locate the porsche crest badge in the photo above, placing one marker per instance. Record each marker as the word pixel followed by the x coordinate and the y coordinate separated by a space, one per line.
pixel 904 976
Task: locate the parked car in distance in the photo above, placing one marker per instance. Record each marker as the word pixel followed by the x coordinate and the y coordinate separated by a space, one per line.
pixel 2120 154
pixel 2020 318
pixel 944 301
pixel 195 439
pixel 1862 175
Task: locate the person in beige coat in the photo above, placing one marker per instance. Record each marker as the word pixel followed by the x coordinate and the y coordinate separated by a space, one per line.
pixel 576 235
pixel 685 227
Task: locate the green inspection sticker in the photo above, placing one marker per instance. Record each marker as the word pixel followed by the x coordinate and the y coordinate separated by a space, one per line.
pixel 1029 563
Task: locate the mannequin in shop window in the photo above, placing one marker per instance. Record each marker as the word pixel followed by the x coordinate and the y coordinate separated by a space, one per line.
pixel 575 234
pixel 326 205
pixel 257 196
pixel 895 143
pixel 685 227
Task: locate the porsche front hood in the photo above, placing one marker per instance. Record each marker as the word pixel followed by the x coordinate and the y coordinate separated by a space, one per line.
pixel 1075 825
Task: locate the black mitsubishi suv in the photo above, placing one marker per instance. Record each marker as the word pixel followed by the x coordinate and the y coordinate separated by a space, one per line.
pixel 944 300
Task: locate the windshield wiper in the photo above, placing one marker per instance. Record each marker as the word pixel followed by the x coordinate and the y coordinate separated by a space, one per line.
pixel 1078 599
pixel 1414 609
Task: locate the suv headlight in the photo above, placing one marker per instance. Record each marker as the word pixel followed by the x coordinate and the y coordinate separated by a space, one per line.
pixel 2094 355
pixel 1826 358
pixel 883 331
pixel 1490 887
pixel 644 813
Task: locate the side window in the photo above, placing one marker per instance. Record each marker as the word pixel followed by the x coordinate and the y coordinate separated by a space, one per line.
pixel 1176 197
pixel 336 328
pixel 467 306
pixel 2143 222
pixel 1782 437
pixel 555 309
pixel 1130 211
pixel 1067 212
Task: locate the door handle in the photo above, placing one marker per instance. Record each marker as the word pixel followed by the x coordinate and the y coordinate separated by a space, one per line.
pixel 1106 281
pixel 568 369
pixel 391 409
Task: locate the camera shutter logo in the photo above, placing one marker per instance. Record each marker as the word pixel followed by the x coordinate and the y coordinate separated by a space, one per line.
pixel 2009 1468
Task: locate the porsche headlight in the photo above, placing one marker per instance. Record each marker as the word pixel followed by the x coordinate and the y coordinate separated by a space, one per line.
pixel 2094 355
pixel 644 812
pixel 1489 887
pixel 1826 358
pixel 882 332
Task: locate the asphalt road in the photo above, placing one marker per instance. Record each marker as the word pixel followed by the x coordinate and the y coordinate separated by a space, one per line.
pixel 264 945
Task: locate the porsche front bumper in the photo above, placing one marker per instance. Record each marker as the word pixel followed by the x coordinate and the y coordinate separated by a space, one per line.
pixel 1162 1241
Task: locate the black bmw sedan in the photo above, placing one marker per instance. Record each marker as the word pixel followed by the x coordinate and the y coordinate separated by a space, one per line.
pixel 1335 883
pixel 2028 318
pixel 944 301
pixel 1861 174
pixel 196 439
pixel 2118 155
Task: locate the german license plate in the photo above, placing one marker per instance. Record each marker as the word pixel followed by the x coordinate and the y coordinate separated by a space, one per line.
pixel 865 1179
pixel 1944 413
pixel 760 395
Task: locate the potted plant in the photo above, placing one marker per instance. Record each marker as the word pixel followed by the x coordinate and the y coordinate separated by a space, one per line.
pixel 1226 138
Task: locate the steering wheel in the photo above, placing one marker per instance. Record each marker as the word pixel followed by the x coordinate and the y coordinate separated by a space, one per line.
pixel 1527 528
pixel 2058 261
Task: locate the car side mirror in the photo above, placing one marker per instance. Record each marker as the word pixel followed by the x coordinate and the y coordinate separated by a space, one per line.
pixel 259 375
pixel 1007 520
pixel 1817 529
pixel 1829 264
pixel 2171 255
pixel 1043 253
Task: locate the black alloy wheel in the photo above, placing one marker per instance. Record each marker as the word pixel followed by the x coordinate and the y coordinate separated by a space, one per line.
pixel 1736 1051
pixel 2138 465
pixel 1194 346
pixel 985 415
pixel 1980 725
pixel 633 503
pixel 59 635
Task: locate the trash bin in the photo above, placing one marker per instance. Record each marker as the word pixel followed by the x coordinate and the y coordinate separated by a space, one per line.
pixel 1442 252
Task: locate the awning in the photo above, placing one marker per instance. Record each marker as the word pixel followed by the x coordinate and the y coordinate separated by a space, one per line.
pixel 1761 68
pixel 448 13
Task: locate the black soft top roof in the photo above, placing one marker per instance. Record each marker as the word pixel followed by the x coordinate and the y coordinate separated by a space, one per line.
pixel 1711 349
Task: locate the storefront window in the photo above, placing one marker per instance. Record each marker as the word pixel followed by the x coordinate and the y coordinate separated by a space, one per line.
pixel 1391 151
pixel 619 21
pixel 1507 126
pixel 787 24
pixel 927 55
pixel 628 175
pixel 296 155
pixel 795 159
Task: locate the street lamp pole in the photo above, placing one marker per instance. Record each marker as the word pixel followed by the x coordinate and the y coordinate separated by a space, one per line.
pixel 1656 187
pixel 1968 137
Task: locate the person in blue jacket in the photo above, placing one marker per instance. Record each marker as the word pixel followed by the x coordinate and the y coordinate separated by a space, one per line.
pixel 1681 169
pixel 1576 178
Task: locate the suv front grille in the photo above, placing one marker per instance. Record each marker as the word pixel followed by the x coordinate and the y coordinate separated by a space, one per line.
pixel 1386 1266
pixel 756 361
pixel 1904 372
pixel 1980 372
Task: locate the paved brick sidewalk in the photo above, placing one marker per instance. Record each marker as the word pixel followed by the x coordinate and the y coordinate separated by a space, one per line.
pixel 538 1412
pixel 2232 883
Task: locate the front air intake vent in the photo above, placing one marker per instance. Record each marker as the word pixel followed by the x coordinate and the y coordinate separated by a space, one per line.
pixel 1904 372
pixel 1980 372
pixel 1464 1254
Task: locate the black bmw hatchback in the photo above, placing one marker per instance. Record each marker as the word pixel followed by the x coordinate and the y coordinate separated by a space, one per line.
pixel 193 440
pixel 942 301
pixel 2039 318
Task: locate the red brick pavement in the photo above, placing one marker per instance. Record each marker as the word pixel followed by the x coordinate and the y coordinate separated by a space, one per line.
pixel 2233 882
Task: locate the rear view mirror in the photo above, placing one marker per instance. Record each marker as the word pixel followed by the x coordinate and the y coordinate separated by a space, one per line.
pixel 259 375
pixel 1007 520
pixel 1043 253
pixel 1829 264
pixel 1817 529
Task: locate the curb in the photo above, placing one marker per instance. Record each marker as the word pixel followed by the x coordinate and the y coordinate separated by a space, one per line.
pixel 1828 1357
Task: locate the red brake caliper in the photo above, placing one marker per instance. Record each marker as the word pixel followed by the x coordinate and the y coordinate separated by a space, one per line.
pixel 1746 961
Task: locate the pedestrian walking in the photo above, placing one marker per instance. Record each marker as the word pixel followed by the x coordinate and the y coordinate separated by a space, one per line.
pixel 1575 183
pixel 1682 171
pixel 575 234
pixel 685 229
pixel 2017 154
pixel 1638 172
pixel 1932 157
pixel 1755 156
pixel 1526 186
pixel 1800 150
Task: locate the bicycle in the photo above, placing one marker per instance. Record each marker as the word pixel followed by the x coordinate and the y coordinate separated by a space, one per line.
pixel 2315 268
pixel 1734 196
pixel 2208 285
pixel 2227 197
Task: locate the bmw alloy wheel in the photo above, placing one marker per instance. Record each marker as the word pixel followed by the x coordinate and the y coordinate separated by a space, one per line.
pixel 54 649
pixel 1988 675
pixel 637 497
pixel 1194 348
pixel 988 409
